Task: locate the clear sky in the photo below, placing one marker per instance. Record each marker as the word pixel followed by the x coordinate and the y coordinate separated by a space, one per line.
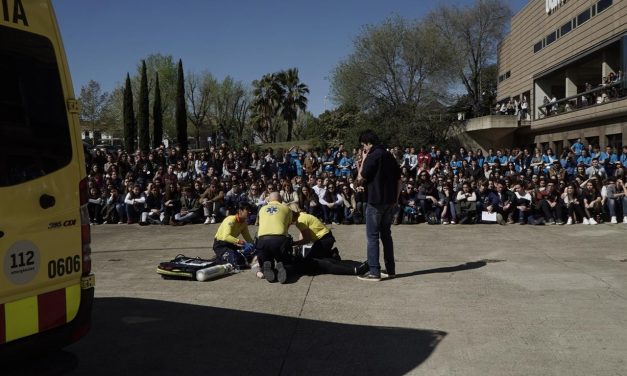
pixel 105 39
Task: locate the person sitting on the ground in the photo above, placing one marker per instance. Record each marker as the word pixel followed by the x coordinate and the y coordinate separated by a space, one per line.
pixel 322 257
pixel 552 205
pixel 273 242
pixel 331 203
pixel 190 208
pixel 616 194
pixel 233 197
pixel 154 206
pixel 592 202
pixel 212 200
pixel 95 205
pixel 524 203
pixel 574 204
pixel 408 205
pixel 171 203
pixel 227 245
pixel 114 210
pixel 349 203
pixel 135 202
pixel 466 205
pixel 446 201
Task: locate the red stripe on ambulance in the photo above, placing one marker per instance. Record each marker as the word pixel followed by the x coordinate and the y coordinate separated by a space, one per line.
pixel 52 309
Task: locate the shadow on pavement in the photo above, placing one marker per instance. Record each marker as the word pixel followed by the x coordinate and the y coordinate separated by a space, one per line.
pixel 448 269
pixel 150 337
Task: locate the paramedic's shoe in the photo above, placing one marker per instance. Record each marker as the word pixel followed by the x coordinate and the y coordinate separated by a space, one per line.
pixel 281 272
pixel 362 268
pixel 268 272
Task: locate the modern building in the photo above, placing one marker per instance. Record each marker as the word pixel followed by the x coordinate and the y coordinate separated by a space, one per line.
pixel 567 59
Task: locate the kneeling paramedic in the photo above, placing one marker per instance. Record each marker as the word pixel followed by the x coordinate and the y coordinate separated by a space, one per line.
pixel 322 257
pixel 273 242
pixel 227 245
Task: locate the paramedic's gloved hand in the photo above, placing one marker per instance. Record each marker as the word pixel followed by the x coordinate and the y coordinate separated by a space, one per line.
pixel 249 249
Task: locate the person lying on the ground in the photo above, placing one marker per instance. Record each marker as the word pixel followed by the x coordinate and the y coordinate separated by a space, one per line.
pixel 322 257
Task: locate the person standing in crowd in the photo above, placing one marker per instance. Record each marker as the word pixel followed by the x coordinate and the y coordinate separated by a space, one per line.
pixel 382 175
pixel 273 241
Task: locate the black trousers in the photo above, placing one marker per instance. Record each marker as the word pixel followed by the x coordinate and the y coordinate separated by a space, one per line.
pixel 228 253
pixel 320 259
pixel 273 248
pixel 322 247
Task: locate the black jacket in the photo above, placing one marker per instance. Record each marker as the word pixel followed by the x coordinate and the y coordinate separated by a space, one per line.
pixel 382 175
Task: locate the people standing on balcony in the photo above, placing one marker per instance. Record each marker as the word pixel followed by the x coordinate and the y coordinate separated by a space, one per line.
pixel 524 108
pixel 554 106
pixel 509 109
pixel 547 106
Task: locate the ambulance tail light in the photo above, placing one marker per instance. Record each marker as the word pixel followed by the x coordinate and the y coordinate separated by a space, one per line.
pixel 85 230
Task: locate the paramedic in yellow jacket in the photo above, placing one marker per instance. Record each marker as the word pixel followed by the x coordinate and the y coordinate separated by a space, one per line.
pixel 227 245
pixel 322 257
pixel 273 241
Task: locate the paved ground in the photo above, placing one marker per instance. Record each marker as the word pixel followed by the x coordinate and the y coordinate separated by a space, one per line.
pixel 468 300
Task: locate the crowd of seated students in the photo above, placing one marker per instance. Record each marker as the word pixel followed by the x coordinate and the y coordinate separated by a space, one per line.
pixel 581 185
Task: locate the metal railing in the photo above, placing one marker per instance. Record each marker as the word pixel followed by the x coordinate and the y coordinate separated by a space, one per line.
pixel 609 93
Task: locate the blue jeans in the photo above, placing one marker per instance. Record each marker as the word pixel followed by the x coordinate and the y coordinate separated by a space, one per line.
pixel 378 225
pixel 612 203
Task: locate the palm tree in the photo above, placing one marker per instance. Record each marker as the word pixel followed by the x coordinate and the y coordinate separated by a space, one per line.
pixel 265 106
pixel 293 98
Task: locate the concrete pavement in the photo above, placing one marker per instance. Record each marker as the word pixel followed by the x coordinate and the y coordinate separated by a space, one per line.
pixel 468 300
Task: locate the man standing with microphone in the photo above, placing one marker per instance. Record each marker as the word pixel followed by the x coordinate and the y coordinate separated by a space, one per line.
pixel 382 176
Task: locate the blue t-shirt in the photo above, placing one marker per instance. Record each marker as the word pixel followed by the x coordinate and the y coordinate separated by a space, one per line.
pixel 577 147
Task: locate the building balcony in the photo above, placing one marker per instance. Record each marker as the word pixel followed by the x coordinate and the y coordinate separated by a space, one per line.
pixel 604 102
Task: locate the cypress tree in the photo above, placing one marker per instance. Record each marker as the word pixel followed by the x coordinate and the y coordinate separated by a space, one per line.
pixel 180 110
pixel 130 132
pixel 157 115
pixel 142 112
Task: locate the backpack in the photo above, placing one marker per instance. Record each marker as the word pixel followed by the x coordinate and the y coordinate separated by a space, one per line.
pixel 432 219
pixel 183 267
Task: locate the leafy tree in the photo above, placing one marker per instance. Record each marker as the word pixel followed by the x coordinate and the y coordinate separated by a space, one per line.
pixel 157 115
pixel 180 109
pixel 93 104
pixel 474 33
pixel 198 93
pixel 340 124
pixel 393 64
pixel 130 130
pixel 396 73
pixel 143 121
pixel 165 67
pixel 230 110
pixel 267 94
pixel 305 126
pixel 293 98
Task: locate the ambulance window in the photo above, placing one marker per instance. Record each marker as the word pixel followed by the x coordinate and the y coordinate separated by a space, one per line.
pixel 34 132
